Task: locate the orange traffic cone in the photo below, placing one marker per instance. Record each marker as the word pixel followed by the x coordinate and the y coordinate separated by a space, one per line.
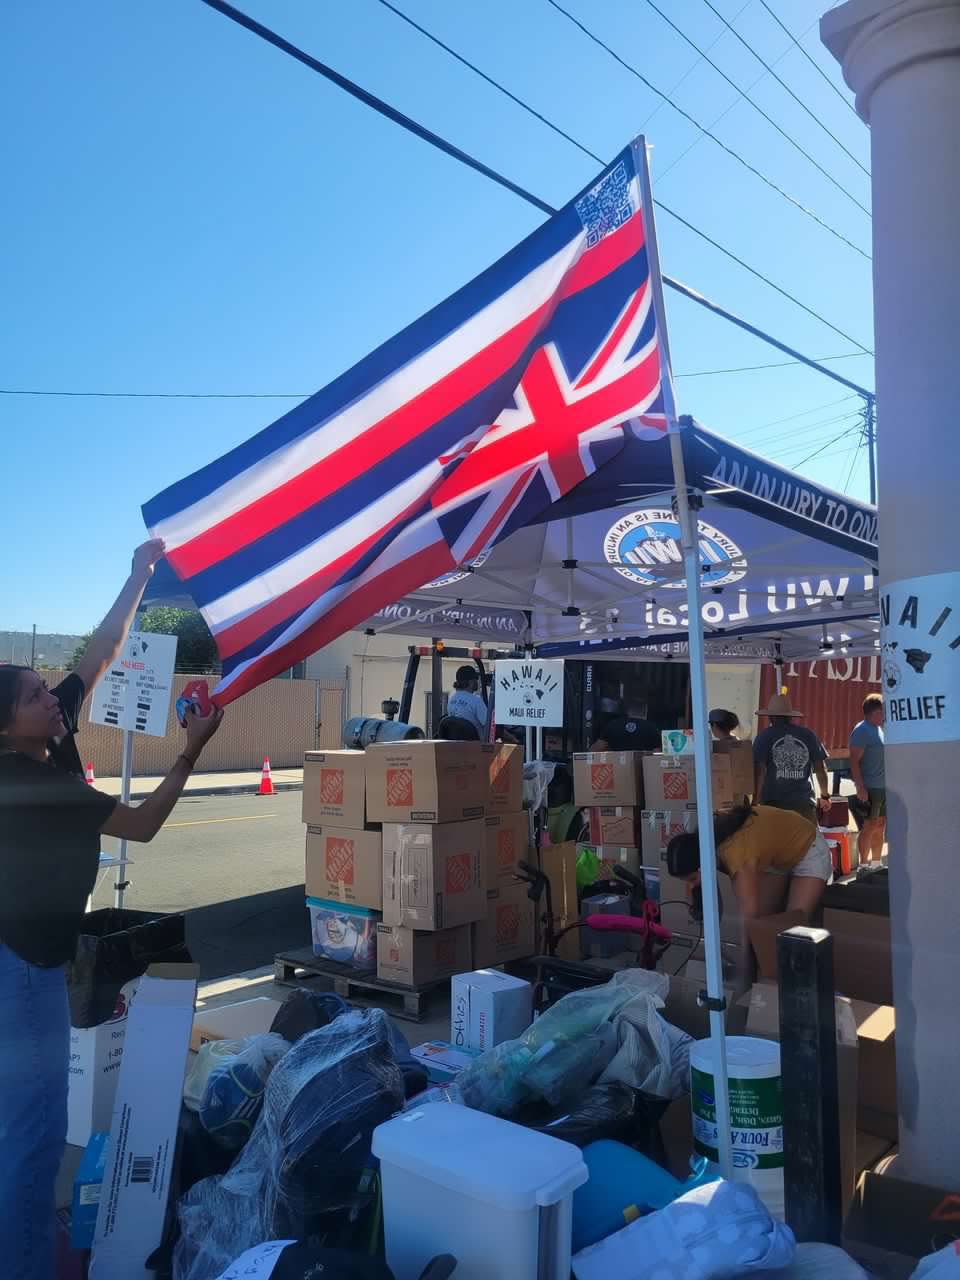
pixel 266 782
pixel 88 777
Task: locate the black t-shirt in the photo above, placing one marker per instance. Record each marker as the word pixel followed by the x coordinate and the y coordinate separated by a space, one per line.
pixel 626 733
pixel 64 754
pixel 50 824
pixel 789 753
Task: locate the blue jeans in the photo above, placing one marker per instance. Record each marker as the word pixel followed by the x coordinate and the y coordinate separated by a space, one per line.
pixel 34 1060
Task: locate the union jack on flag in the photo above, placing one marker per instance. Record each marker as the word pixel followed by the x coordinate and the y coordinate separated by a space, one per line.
pixel 462 428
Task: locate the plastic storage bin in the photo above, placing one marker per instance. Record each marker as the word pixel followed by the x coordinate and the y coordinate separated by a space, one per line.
pixel 345 934
pixel 495 1196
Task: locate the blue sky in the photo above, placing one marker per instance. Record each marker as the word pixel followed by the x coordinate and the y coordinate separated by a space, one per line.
pixel 189 210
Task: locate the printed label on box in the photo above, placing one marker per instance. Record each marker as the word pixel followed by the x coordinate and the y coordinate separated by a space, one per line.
pixel 399 787
pixel 676 785
pixel 601 776
pixel 340 860
pixel 331 786
pixel 458 877
pixel 506 848
pixel 508 924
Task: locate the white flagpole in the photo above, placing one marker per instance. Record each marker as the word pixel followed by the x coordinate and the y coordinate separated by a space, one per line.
pixel 689 538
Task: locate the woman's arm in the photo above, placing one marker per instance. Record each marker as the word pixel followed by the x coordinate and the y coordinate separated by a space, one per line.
pixel 107 641
pixel 144 821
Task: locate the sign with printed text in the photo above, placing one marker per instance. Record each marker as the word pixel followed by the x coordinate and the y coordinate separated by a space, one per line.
pixel 529 692
pixel 134 691
pixel 920 658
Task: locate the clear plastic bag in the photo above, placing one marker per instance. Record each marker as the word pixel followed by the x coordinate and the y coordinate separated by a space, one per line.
pixel 233 1093
pixel 304 1164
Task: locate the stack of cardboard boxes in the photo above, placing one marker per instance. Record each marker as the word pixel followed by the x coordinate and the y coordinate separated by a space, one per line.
pixel 424 837
pixel 609 787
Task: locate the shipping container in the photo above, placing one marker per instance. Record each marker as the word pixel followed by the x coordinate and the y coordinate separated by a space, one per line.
pixel 829 692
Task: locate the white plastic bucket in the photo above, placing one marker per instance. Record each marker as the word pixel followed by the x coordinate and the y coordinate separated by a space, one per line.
pixel 756 1112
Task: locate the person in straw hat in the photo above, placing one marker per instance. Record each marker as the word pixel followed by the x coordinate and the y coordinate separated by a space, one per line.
pixel 786 755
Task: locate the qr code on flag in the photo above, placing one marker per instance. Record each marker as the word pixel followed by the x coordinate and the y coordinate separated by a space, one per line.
pixel 606 206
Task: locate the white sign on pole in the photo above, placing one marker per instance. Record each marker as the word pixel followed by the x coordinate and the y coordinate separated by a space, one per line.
pixel 920 658
pixel 529 692
pixel 134 691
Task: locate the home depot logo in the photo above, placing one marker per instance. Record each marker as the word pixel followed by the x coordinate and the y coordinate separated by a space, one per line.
pixel 445 954
pixel 676 785
pixel 331 786
pixel 458 873
pixel 340 860
pixel 601 777
pixel 506 849
pixel 508 925
pixel 394 953
pixel 400 787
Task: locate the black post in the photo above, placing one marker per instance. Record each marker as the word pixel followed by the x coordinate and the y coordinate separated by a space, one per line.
pixel 436 688
pixel 811 1102
pixel 409 684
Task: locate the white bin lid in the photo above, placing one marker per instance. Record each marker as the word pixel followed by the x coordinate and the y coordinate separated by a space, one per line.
pixel 481 1156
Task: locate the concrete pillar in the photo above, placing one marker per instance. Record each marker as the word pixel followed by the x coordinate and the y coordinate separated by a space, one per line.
pixel 902 59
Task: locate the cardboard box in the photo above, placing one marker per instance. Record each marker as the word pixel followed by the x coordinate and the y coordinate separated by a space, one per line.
pixel 676 742
pixel 685 958
pixel 608 778
pixel 506 843
pixel 763 933
pixel 427 781
pixel 434 874
pixel 508 930
pixel 740 755
pixel 87 1187
pixel 876 1038
pixel 862 961
pixel 414 959
pixel 683 1009
pixel 233 1021
pixel 488 1007
pixel 657 829
pixel 613 856
pixel 894 1221
pixel 441 1061
pixel 506 778
pixel 140 1157
pixel 558 862
pixel 669 782
pixel 344 865
pixel 674 896
pixel 614 824
pixel 333 788
pixel 95 1056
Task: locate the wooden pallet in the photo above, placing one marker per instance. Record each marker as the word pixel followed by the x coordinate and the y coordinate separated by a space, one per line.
pixel 301 968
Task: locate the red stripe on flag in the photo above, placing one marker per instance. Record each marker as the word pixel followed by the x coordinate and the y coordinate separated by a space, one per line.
pixel 492 526
pixel 619 329
pixel 393 583
pixel 612 252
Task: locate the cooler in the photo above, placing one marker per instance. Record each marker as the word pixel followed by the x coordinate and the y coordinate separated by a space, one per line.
pixel 494 1195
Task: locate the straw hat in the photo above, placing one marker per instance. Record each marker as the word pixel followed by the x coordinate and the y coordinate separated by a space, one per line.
pixel 779 705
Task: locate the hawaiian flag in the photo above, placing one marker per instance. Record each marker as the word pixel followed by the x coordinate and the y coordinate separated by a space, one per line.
pixel 462 428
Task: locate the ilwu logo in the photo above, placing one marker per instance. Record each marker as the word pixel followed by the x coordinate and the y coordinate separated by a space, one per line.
pixel 645 547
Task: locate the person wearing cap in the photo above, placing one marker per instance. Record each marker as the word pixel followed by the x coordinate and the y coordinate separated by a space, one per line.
pixel 723 724
pixel 786 755
pixel 465 702
pixel 628 731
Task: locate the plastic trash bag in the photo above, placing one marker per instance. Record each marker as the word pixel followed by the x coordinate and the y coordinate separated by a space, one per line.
pixel 713 1232
pixel 233 1094
pixel 614 1111
pixel 573 1044
pixel 942 1265
pixel 204 1060
pixel 303 1170
pixel 588 868
pixel 537 776
pixel 115 946
pixel 818 1262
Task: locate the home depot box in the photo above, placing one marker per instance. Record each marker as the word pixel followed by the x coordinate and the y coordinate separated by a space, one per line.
pixel 673 895
pixel 233 1021
pixel 614 824
pixel 140 1156
pixel 333 788
pixel 862 967
pixel 506 778
pixel 740 755
pixel 669 782
pixel 608 778
pixel 95 1054
pixel 508 929
pixel 506 843
pixel 657 829
pixel 413 959
pixel 434 874
pixel 343 865
pixel 612 856
pixel 894 1222
pixel 427 781
pixel 488 1007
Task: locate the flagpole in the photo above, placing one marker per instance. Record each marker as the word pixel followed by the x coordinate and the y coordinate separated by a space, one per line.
pixel 686 517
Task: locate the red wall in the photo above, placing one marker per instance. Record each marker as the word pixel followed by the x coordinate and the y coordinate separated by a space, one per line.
pixel 829 692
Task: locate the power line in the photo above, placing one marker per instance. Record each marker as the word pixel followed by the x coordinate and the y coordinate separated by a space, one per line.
pixel 756 106
pixel 793 416
pixel 816 453
pixel 816 119
pixel 599 159
pixel 703 129
pixel 813 62
pixel 777 364
pixel 167 395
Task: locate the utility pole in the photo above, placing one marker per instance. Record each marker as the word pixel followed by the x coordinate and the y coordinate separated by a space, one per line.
pixel 870 436
pixel 33 646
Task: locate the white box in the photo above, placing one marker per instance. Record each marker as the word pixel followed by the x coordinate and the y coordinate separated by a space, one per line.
pixel 95 1054
pixel 234 1021
pixel 677 742
pixel 488 1007
pixel 136 1184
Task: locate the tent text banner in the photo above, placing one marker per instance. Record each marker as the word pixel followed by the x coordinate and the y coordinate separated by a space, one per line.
pixel 920 658
pixel 529 692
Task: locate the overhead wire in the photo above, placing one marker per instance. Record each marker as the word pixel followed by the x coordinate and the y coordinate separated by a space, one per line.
pixel 816 453
pixel 776 364
pixel 600 160
pixel 704 130
pixel 756 106
pixel 780 81
pixel 813 62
